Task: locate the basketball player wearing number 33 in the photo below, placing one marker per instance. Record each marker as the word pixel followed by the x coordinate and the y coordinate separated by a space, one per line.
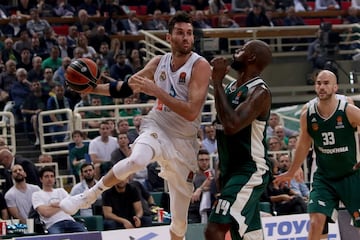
pixel 179 80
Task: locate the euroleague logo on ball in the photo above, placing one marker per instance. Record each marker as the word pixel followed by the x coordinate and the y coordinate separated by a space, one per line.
pixel 82 75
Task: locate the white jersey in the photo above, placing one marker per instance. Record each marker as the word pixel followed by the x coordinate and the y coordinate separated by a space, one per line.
pixel 176 84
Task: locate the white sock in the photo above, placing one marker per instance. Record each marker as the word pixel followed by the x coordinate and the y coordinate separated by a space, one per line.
pixel 99 187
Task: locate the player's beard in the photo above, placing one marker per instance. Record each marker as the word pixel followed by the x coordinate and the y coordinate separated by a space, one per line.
pixel 237 65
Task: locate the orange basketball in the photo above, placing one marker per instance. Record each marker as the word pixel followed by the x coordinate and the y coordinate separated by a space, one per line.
pixel 82 75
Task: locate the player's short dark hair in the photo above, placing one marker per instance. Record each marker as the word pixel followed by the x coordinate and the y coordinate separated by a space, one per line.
pixel 179 17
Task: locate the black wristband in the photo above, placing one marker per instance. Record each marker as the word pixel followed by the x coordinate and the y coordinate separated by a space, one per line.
pixel 125 90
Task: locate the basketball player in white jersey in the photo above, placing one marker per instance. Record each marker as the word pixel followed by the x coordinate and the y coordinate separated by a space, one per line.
pixel 179 80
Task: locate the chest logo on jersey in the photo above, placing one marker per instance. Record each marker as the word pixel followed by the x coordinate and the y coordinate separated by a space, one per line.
pixel 163 76
pixel 339 122
pixel 154 135
pixel 315 126
pixel 182 78
pixel 237 98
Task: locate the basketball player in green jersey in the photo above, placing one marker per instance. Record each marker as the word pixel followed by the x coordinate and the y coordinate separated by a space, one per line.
pixel 243 109
pixel 331 124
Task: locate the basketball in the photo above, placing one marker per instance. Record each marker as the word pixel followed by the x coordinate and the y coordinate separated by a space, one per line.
pixel 82 75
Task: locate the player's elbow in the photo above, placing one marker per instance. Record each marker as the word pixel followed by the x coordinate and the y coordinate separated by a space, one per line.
pixel 191 116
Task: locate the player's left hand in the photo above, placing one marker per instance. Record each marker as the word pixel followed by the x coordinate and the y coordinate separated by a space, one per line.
pixel 220 68
pixel 141 84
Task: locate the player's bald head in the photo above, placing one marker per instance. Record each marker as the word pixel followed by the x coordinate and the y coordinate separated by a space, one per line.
pixel 328 75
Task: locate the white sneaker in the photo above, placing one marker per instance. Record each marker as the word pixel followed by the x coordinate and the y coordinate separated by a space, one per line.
pixel 72 204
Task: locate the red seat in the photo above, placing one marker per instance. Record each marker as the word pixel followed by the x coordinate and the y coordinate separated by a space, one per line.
pixel 345 5
pixel 186 7
pixel 61 30
pixel 312 21
pixel 311 4
pixel 333 20
pixel 240 19
pixel 228 6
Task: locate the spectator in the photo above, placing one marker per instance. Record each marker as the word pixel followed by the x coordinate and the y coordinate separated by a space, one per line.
pixel 46 203
pixel 36 72
pixel 14 27
pixel 131 26
pixel 90 7
pixel 113 25
pixel 54 61
pixel 153 5
pixel 257 17
pixel 4 14
pixel 204 190
pixel 292 143
pixel 297 184
pixel 97 114
pixel 105 55
pixel 316 53
pixel 71 37
pixel 210 143
pixel 18 198
pixel 134 133
pixel 280 133
pixel 36 25
pixel 100 149
pixel 157 22
pixel 23 42
pixel 65 50
pixel 78 153
pixel 24 8
pixel 122 207
pixel 123 150
pixel 200 5
pixel 352 16
pixel 37 49
pixel 129 113
pixel 63 9
pixel 200 20
pixel 123 127
pixel 45 158
pixel 25 60
pixel 301 6
pixel 355 4
pixel 7 159
pixel 109 7
pixel 59 101
pixel 8 53
pixel 120 70
pixel 217 7
pixel 88 51
pixel 34 103
pixel 274 144
pixel 84 25
pixel 47 83
pixel 18 92
pixel 88 180
pixel 273 121
pixel 7 79
pixel 99 36
pixel 326 5
pixel 59 75
pixel 49 38
pixel 241 6
pixel 4 214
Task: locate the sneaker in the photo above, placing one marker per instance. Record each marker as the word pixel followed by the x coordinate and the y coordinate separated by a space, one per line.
pixel 72 204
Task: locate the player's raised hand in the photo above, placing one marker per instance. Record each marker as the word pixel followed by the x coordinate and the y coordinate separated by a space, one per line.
pixel 220 68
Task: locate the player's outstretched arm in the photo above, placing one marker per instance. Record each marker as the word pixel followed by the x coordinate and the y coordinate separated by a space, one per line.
pixel 301 151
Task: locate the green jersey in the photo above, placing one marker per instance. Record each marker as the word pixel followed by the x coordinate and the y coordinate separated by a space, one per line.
pixel 244 151
pixel 335 142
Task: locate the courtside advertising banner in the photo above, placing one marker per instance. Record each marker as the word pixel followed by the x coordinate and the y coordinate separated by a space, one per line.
pixel 146 233
pixel 293 227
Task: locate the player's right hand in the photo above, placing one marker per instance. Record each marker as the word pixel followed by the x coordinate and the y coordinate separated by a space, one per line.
pixel 220 68
pixel 283 178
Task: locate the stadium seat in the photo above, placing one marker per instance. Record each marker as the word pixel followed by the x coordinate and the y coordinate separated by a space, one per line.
pixel 61 30
pixel 240 19
pixel 333 20
pixel 186 7
pixel 312 21
pixel 345 5
pixel 311 4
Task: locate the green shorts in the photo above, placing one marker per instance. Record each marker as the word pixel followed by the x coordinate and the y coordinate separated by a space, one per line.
pixel 238 204
pixel 326 194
